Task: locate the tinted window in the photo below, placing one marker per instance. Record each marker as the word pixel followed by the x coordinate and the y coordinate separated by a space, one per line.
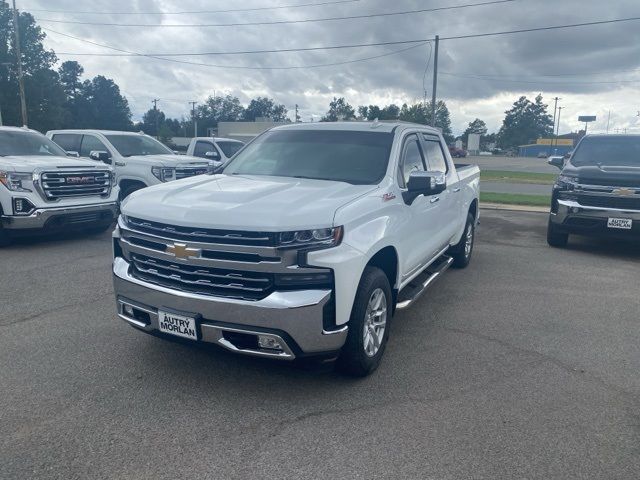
pixel 69 142
pixel 411 160
pixel 608 151
pixel 345 156
pixel 230 148
pixel 90 144
pixel 128 145
pixel 27 143
pixel 434 154
pixel 203 147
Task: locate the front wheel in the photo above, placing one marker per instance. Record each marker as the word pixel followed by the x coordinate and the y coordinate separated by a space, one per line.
pixel 368 325
pixel 556 238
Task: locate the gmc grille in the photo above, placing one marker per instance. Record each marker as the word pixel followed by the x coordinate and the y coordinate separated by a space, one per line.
pixel 77 183
pixel 184 172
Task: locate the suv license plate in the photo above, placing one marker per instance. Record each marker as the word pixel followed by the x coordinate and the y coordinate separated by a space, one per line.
pixel 620 223
pixel 178 325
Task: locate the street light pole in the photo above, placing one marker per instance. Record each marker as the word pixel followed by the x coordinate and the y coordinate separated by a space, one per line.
pixel 16 31
pixel 555 108
pixel 435 82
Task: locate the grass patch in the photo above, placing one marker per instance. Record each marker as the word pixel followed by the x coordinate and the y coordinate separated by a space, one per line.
pixel 517 177
pixel 516 199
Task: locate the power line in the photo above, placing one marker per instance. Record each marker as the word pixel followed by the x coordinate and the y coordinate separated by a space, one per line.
pixel 129 53
pixel 193 12
pixel 277 22
pixel 535 82
pixel 343 46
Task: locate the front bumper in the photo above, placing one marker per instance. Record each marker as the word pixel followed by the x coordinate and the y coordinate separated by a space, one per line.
pixel 295 317
pixel 60 217
pixel 572 217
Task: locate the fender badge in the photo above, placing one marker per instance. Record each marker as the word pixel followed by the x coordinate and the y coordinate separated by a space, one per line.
pixel 388 196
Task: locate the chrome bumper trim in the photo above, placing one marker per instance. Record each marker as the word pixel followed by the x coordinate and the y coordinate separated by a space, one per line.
pixel 571 208
pixel 39 217
pixel 297 313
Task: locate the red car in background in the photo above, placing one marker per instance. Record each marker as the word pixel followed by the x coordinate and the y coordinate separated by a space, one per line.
pixel 457 152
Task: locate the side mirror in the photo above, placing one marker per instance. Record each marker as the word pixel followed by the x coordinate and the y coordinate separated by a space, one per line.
pixel 213 155
pixel 556 161
pixel 100 156
pixel 72 153
pixel 424 183
pixel 567 155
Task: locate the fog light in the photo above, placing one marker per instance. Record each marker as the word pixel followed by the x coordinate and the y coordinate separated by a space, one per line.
pixel 575 210
pixel 22 206
pixel 128 310
pixel 267 341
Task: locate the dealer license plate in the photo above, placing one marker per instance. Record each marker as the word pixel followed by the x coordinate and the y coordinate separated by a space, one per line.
pixel 620 223
pixel 178 325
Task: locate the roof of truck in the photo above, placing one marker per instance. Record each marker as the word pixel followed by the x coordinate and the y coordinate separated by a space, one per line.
pixel 357 126
pixel 217 139
pixel 103 132
pixel 16 129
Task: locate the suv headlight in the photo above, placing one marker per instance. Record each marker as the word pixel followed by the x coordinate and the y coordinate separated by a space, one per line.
pixel 164 174
pixel 566 182
pixel 312 239
pixel 16 181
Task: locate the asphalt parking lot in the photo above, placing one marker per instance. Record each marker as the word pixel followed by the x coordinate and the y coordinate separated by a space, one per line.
pixel 525 365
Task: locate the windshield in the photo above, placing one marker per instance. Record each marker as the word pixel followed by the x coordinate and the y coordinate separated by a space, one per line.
pixel 343 156
pixel 230 148
pixel 128 145
pixel 609 151
pixel 27 143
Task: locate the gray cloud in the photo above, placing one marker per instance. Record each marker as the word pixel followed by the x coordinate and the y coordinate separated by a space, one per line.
pixel 398 78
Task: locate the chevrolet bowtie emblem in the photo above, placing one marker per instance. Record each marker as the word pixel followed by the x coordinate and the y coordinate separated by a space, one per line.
pixel 624 191
pixel 180 250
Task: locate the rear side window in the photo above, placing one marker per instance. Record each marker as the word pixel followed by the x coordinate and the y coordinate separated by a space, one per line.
pixel 412 160
pixel 202 148
pixel 435 156
pixel 70 142
pixel 90 144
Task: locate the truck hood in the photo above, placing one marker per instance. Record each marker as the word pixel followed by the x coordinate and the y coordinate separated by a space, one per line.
pixel 168 160
pixel 258 203
pixel 30 163
pixel 606 175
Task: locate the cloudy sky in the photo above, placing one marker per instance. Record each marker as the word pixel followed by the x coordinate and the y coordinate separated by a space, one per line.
pixel 594 69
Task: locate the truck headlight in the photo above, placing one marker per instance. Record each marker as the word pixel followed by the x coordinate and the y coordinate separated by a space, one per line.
pixel 317 238
pixel 566 182
pixel 163 174
pixel 16 181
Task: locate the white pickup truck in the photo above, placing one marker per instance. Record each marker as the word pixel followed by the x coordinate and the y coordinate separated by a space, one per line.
pixel 42 189
pixel 219 150
pixel 138 159
pixel 305 244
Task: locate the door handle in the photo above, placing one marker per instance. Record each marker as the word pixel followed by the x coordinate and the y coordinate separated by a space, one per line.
pixel 456 190
pixel 434 199
pixel 120 164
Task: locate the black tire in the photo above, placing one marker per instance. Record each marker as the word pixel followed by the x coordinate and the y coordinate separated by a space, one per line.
pixel 556 238
pixel 128 190
pixel 460 253
pixel 354 360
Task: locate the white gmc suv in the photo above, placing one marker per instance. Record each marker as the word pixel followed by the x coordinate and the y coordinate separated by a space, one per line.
pixel 138 159
pixel 305 244
pixel 42 189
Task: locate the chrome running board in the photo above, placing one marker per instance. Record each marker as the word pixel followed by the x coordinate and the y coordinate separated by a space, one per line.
pixel 418 285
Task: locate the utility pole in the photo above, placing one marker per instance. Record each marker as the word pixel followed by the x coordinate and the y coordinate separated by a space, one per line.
pixel 609 121
pixel 155 111
pixel 555 108
pixel 193 118
pixel 16 31
pixel 297 116
pixel 559 112
pixel 435 82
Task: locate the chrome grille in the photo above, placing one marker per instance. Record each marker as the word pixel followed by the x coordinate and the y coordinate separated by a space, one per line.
pixel 76 183
pixel 184 172
pixel 224 237
pixel 202 280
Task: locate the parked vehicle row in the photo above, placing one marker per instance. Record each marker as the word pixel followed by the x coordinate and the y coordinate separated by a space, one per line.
pixel 598 189
pixel 304 245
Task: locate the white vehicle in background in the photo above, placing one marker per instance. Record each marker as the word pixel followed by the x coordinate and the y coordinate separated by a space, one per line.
pixel 219 150
pixel 43 189
pixel 138 159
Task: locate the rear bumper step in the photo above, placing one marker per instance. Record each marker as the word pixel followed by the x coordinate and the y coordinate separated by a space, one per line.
pixel 412 292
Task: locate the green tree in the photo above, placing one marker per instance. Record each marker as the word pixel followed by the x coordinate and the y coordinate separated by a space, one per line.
pixel 339 110
pixel 218 109
pixel 152 121
pixel 70 73
pixel 265 107
pixel 421 113
pixel 103 105
pixel 390 112
pixel 525 122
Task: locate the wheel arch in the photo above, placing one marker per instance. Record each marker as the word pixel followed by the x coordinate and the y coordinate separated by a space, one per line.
pixel 387 260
